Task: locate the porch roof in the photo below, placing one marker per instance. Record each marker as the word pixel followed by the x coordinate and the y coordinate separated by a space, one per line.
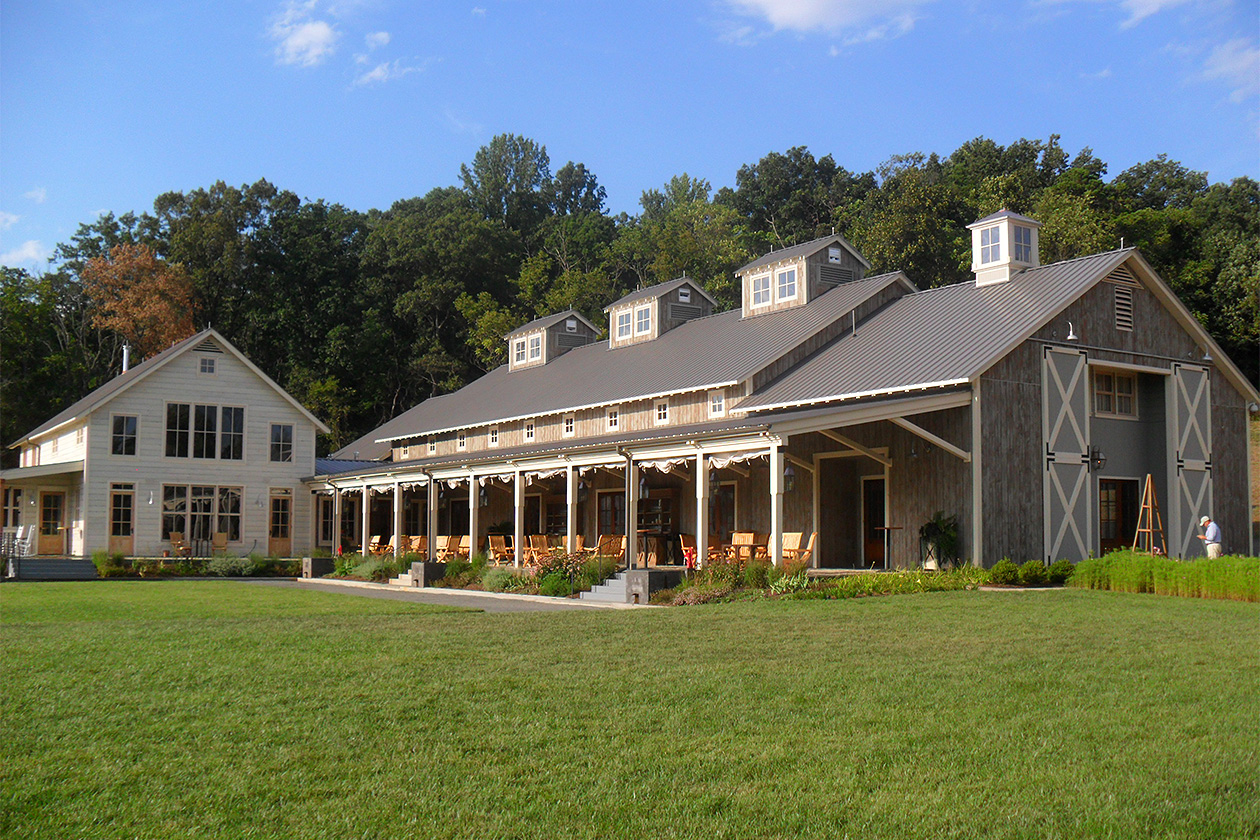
pixel 41 471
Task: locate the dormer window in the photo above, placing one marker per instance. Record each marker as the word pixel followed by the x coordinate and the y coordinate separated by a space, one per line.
pixel 642 320
pixel 761 290
pixel 518 351
pixel 1023 243
pixel 623 324
pixel 990 245
pixel 787 284
pixel 535 348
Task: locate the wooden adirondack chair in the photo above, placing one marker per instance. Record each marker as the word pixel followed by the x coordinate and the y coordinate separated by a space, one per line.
pixel 497 549
pixel 717 551
pixel 420 545
pixel 537 548
pixel 179 547
pixel 464 549
pixel 791 542
pixel 218 543
pixel 801 555
pixel 374 545
pixel 447 546
pixel 743 546
pixel 613 546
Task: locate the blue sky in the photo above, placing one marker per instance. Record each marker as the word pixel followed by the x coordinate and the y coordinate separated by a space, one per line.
pixel 103 106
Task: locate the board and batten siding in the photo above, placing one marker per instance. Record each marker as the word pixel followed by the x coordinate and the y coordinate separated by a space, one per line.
pixel 178 381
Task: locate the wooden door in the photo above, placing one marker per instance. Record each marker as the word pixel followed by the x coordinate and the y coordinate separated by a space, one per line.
pixel 52 510
pixel 280 530
pixel 1191 467
pixel 122 511
pixel 873 520
pixel 1068 514
pixel 1117 513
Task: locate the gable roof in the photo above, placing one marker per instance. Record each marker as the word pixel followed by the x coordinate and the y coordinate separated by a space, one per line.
pixel 658 290
pixel 549 321
pixel 804 249
pixel 710 352
pixel 120 383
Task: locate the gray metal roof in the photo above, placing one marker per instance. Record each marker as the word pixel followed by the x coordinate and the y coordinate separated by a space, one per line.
pixel 658 290
pixel 716 350
pixel 335 466
pixel 937 336
pixel 1004 214
pixel 804 249
pixel 550 320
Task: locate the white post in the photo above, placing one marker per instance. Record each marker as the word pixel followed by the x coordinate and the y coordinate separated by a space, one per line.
pixel 397 538
pixel 570 519
pixel 776 504
pixel 431 518
pixel 336 534
pixel 367 517
pixel 474 505
pixel 632 512
pixel 702 509
pixel 518 519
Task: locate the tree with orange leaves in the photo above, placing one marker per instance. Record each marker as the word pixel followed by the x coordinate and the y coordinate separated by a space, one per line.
pixel 146 300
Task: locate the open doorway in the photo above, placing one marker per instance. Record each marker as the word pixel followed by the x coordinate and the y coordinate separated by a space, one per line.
pixel 1117 513
pixel 874 534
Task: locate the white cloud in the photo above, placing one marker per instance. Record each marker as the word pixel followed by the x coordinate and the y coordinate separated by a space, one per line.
pixel 376 39
pixel 38 195
pixel 894 28
pixel 1104 73
pixel 302 40
pixel 30 251
pixel 7 220
pixel 1140 10
pixel 388 71
pixel 478 11
pixel 459 126
pixel 833 15
pixel 1237 62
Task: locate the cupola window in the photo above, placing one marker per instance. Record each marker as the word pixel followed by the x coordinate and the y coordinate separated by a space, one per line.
pixel 1023 243
pixel 990 245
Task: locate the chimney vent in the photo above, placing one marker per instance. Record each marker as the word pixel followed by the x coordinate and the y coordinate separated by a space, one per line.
pixel 126 358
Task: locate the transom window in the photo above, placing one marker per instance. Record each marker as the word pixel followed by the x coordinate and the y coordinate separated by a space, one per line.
pixel 662 412
pixel 990 245
pixel 570 425
pixel 1115 394
pixel 623 324
pixel 123 439
pixel 529 430
pixel 282 442
pixel 1023 244
pixel 518 350
pixel 717 403
pixel 535 347
pixel 643 320
pixel 761 290
pixel 787 284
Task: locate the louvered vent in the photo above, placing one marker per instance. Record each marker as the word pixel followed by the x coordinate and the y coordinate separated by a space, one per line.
pixel 208 346
pixel 1124 308
pixel 834 275
pixel 1123 276
pixel 684 312
pixel 571 340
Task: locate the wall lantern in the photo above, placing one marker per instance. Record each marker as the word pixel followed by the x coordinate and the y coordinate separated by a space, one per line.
pixel 483 496
pixel 789 478
pixel 643 488
pixel 150 497
pixel 1097 460
pixel 582 491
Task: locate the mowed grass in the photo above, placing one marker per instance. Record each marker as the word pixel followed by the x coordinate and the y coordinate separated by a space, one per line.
pixel 197 709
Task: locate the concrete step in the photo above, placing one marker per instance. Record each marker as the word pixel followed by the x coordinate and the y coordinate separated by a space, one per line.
pixel 612 590
pixel 402 580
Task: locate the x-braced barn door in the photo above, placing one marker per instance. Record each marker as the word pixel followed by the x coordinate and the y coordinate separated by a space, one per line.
pixel 1190 473
pixel 1065 425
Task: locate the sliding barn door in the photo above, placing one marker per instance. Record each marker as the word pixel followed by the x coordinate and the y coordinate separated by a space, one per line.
pixel 1190 473
pixel 1065 425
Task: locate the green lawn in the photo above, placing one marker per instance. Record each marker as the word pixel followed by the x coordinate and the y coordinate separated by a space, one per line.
pixel 201 709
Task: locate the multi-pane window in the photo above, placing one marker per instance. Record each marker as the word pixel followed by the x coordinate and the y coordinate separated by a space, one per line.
pixel 761 290
pixel 282 442
pixel 623 324
pixel 494 436
pixel 990 245
pixel 232 434
pixel 178 424
pixel 78 436
pixel 535 347
pixel 207 367
pixel 326 521
pixel 432 445
pixel 614 418
pixel 1115 394
pixel 1023 244
pixel 717 403
pixel 230 512
pixel 123 437
pixel 518 350
pixel 12 507
pixel 529 430
pixel 174 510
pixel 570 425
pixel 201 513
pixel 787 284
pixel 121 510
pixel 643 320
pixel 661 410
pixel 205 428
pixel 461 441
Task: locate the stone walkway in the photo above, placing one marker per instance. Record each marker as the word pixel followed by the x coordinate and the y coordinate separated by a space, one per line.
pixel 491 602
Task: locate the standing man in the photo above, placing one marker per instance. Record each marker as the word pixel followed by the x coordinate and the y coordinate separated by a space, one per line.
pixel 1211 536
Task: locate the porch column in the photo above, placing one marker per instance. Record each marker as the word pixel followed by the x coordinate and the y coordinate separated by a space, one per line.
pixel 702 509
pixel 367 517
pixel 776 504
pixel 518 519
pixel 474 506
pixel 632 512
pixel 431 517
pixel 336 534
pixel 570 517
pixel 398 548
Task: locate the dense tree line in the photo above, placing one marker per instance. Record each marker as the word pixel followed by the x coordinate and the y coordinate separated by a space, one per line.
pixel 361 315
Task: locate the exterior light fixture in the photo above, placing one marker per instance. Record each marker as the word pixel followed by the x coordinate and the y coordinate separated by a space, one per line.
pixel 1097 460
pixel 150 497
pixel 1072 336
pixel 789 479
pixel 483 496
pixel 643 488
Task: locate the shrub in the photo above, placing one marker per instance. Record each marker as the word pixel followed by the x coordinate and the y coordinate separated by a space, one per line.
pixel 555 585
pixel 456 566
pixel 346 563
pixel 225 565
pixel 757 574
pixel 477 565
pixel 702 594
pixel 722 573
pixel 1060 571
pixel 795 582
pixel 594 571
pixel 1032 573
pixel 496 579
pixel 147 566
pixel 108 565
pixel 1004 573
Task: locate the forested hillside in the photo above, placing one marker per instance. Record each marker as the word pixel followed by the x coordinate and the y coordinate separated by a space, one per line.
pixel 361 315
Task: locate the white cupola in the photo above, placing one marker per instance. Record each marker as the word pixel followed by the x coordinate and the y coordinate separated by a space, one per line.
pixel 1003 245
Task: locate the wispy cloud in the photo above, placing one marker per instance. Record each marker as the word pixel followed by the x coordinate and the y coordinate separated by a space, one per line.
pixel 1104 73
pixel 1237 63
pixel 376 39
pixel 890 16
pixel 388 71
pixel 459 126
pixel 1140 10
pixel 302 39
pixel 894 28
pixel 38 195
pixel 27 253
pixel 478 11
pixel 7 220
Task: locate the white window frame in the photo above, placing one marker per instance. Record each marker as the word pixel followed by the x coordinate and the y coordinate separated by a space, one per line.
pixel 494 435
pixel 612 418
pixel 535 347
pixel 779 277
pixel 660 412
pixel 717 403
pixel 569 425
pixel 78 436
pixel 991 245
pixel 529 431
pixel 754 291
pixel 640 310
pixel 1114 413
pixel 206 366
pixel 461 441
pixel 625 323
pixel 570 325
pixel 1022 250
pixel 834 255
pixel 518 351
pixel 684 294
pixel 432 445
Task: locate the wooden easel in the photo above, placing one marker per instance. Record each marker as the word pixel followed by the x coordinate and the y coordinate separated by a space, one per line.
pixel 1150 522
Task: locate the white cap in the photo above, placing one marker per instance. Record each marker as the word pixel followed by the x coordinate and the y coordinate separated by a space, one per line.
pixel 1205 520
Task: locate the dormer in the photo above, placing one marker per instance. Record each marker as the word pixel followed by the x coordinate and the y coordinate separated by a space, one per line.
pixel 646 314
pixel 796 275
pixel 544 339
pixel 1003 245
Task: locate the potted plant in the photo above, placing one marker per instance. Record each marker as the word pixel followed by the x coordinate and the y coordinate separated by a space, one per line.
pixel 938 541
